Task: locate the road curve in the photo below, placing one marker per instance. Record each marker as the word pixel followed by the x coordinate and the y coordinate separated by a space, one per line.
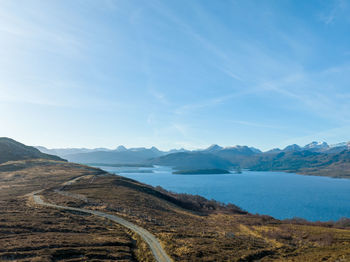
pixel 158 252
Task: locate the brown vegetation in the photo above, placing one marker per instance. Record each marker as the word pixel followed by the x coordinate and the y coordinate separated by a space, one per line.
pixel 195 229
pixel 190 228
pixel 30 233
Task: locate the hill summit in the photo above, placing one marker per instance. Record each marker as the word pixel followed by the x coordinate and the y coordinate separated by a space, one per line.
pixel 11 150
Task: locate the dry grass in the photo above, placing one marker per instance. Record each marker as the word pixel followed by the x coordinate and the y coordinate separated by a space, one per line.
pixel 188 232
pixel 32 233
pixel 209 236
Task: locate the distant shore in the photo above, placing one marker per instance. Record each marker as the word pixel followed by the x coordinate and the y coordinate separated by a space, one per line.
pixel 214 171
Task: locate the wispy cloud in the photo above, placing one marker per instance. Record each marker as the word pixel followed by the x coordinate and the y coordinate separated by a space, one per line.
pixel 151 119
pixel 255 124
pixel 231 74
pixel 316 92
pixel 170 68
pixel 56 94
pixel 212 102
pixel 267 73
pixel 181 128
pixel 176 129
pixel 160 97
pixel 209 45
pixel 333 135
pixel 337 7
pixel 33 31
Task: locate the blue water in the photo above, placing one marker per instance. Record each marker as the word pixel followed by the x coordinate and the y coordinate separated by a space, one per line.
pixel 278 194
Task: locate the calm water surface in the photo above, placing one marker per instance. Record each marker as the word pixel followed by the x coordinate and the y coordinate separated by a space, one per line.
pixel 278 194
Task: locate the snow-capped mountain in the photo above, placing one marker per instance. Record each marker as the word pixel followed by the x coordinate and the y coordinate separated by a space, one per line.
pixel 316 146
pixel 213 148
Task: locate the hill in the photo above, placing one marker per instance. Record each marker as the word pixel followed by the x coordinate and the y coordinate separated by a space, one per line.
pixel 62 152
pixel 127 156
pixel 11 150
pixel 120 155
pixel 315 158
pixel 192 160
pixel 303 162
pixel 237 155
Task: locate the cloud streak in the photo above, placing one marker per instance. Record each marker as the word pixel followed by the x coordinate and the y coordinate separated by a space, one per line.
pixel 338 7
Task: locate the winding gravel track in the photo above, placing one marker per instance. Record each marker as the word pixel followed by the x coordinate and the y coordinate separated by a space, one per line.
pixel 158 252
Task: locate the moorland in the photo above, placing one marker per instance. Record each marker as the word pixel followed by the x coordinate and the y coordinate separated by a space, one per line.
pixel 189 228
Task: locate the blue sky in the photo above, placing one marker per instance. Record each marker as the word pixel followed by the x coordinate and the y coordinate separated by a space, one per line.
pixel 174 74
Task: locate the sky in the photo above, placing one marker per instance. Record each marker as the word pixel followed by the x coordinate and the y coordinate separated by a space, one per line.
pixel 172 74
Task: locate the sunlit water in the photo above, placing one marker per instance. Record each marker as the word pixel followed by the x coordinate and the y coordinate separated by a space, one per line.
pixel 278 194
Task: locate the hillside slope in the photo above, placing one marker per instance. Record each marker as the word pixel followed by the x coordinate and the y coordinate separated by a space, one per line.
pixel 11 150
pixel 303 162
pixel 192 228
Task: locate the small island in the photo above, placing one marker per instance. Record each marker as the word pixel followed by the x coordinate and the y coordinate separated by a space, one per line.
pixel 213 171
pixel 120 164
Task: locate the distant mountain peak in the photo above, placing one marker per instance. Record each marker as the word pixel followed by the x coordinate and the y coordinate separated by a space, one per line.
pixel 236 146
pixel 316 144
pixel 177 150
pixel 154 149
pixel 274 150
pixel 240 148
pixel 121 148
pixel 256 150
pixel 342 144
pixel 293 147
pixel 213 148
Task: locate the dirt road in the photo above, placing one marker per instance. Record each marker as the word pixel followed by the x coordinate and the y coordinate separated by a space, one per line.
pixel 158 252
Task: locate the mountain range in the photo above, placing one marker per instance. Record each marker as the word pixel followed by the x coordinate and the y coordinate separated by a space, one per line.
pixel 312 159
pixel 119 155
pixel 313 146
pixel 315 158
